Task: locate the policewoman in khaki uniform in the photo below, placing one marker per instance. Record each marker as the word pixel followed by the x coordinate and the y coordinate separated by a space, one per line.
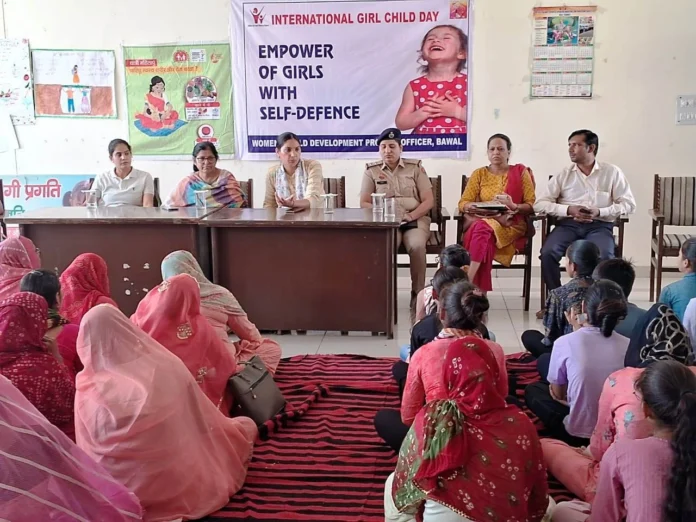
pixel 407 181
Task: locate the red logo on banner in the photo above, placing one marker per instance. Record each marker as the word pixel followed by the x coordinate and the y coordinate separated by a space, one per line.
pixel 258 15
pixel 180 56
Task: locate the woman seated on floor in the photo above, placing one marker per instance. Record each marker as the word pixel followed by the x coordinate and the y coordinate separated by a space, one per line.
pixel 462 312
pixel 582 257
pixel 171 315
pixel 33 363
pixel 84 285
pixel 650 479
pixel 659 336
pixel 61 331
pixel 495 238
pixel 579 364
pixel 468 456
pixel 18 257
pixel 220 186
pixel 43 472
pixel 141 415
pixel 224 312
pixel 294 183
pixel 452 255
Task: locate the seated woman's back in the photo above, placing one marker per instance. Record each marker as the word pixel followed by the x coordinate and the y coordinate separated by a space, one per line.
pixel 171 314
pixel 463 308
pixel 60 331
pixel 18 257
pixel 32 366
pixel 42 471
pixel 85 284
pixel 224 313
pixel 141 414
pixel 470 451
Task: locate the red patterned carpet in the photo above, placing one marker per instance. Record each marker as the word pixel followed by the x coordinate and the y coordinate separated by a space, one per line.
pixel 323 461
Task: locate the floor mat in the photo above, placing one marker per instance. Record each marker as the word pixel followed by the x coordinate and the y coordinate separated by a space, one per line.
pixel 323 460
pixel 328 464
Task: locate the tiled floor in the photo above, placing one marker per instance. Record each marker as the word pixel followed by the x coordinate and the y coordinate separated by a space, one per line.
pixel 506 319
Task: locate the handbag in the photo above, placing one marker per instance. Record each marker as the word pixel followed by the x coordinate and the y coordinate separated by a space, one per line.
pixel 256 395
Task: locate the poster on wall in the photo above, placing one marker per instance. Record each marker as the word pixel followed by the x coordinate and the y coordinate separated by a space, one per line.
pixel 178 96
pixel 339 72
pixel 16 88
pixel 24 193
pixel 563 61
pixel 74 84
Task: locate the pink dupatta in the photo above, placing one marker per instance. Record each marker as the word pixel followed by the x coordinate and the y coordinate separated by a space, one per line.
pixel 141 415
pixel 44 476
pixel 18 257
pixel 171 315
pixel 84 284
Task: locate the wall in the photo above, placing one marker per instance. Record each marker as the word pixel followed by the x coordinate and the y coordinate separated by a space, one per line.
pixel 644 58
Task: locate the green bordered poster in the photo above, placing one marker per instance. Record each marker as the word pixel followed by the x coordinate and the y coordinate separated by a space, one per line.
pixel 178 96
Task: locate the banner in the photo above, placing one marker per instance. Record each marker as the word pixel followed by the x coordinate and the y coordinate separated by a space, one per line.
pixel 16 93
pixel 338 72
pixel 24 193
pixel 563 52
pixel 74 84
pixel 179 95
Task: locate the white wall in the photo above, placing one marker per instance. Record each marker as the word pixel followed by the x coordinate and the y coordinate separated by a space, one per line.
pixel 644 58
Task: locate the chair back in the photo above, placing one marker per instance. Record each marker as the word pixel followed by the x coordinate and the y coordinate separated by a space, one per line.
pixel 248 189
pixel 336 186
pixel 156 200
pixel 436 211
pixel 675 198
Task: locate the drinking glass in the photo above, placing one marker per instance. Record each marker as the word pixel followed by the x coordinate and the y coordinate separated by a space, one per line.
pixel 390 208
pixel 90 198
pixel 329 203
pixel 378 203
pixel 201 199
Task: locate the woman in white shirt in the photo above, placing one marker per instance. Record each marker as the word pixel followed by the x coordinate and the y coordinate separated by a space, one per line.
pixel 123 185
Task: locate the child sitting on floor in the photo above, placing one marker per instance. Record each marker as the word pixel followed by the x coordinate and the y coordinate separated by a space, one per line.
pixel 649 479
pixel 582 257
pixel 678 294
pixel 452 255
pixel 620 413
pixel 578 366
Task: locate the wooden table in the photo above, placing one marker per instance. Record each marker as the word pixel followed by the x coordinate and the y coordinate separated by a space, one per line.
pixel 132 240
pixel 308 270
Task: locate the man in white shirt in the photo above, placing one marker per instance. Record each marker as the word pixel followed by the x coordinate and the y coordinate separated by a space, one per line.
pixel 586 198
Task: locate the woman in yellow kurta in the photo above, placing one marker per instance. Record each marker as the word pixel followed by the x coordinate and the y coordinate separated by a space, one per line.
pixel 492 236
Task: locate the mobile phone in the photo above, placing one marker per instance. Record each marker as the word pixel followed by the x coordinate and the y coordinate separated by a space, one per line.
pixel 585 210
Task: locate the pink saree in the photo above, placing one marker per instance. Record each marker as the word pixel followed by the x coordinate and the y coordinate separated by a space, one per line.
pixel 44 476
pixel 171 315
pixel 141 415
